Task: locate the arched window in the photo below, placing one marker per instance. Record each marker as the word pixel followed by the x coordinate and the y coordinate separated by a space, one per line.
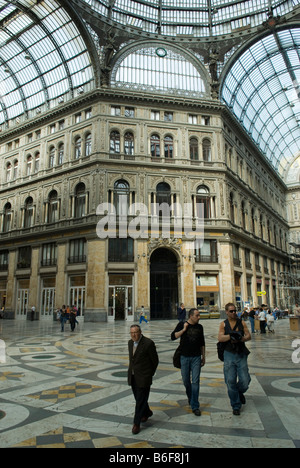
pixel 168 147
pixel 203 200
pixel 121 197
pixel 53 207
pixel 16 167
pixel 206 150
pixel 253 220
pixel 78 148
pixel 88 144
pixel 37 163
pixel 129 143
pixel 194 150
pixel 80 201
pixel 61 154
pixel 8 172
pixel 261 224
pixel 114 146
pixel 7 218
pixel 52 157
pixel 231 206
pixel 29 165
pixel 163 193
pixel 243 215
pixel 159 69
pixel 28 213
pixel 155 146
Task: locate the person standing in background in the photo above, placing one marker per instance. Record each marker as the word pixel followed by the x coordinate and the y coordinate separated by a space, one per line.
pixel 181 313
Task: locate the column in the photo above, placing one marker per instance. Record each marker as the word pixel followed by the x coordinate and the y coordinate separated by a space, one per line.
pixel 142 294
pixel 187 278
pixel 244 276
pixel 61 287
pixel 96 286
pixel 227 289
pixel 33 299
pixel 11 288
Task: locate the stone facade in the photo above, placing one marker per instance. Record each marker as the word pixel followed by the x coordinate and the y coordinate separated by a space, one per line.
pixel 59 168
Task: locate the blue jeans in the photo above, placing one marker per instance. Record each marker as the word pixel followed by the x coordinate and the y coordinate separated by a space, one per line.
pixel 251 319
pixel 190 372
pixel 237 377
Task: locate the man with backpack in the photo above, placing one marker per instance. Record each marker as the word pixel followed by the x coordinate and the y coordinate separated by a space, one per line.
pixel 234 333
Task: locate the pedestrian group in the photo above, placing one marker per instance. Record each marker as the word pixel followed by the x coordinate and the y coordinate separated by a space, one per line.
pixel 67 314
pixel 143 361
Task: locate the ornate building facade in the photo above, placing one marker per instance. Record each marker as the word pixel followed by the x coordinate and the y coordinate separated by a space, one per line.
pixel 120 119
pixel 113 143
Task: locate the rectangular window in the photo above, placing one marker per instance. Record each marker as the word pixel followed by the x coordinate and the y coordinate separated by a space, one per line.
pixel 207 253
pixel 4 260
pixel 120 250
pixel 49 255
pixel 77 252
pixel 115 110
pixel 129 112
pixel 193 119
pixel 24 257
pixel 155 115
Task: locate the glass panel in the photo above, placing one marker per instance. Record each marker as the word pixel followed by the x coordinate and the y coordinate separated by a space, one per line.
pixel 261 89
pixel 43 56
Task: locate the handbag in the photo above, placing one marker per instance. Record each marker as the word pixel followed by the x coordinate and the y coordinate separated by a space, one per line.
pixel 220 350
pixel 176 358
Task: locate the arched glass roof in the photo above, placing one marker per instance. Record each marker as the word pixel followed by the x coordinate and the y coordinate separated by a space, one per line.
pixel 198 18
pixel 159 70
pixel 43 58
pixel 262 89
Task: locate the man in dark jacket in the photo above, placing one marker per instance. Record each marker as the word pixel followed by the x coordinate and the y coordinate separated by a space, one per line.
pixel 143 362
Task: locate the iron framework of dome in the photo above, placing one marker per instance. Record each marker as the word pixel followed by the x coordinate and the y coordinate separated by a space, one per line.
pixel 198 18
pixel 43 58
pixel 52 51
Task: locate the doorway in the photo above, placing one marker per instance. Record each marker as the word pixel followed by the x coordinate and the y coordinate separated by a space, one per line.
pixel 22 299
pixel 120 298
pixel 163 284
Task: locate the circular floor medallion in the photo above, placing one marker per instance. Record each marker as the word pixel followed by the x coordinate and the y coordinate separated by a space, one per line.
pixel 44 356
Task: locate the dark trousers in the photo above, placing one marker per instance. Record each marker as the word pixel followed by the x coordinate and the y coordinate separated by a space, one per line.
pixel 141 396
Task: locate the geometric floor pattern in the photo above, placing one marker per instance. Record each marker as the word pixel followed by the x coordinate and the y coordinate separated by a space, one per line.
pixel 69 390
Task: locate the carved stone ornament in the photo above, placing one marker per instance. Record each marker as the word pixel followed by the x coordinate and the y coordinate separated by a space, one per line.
pixel 175 244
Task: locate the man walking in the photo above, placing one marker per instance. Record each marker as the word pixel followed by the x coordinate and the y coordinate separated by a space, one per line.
pixel 192 344
pixel 181 313
pixel 143 362
pixel 234 334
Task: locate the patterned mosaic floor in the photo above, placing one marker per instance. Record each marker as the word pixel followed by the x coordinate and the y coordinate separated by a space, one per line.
pixel 70 390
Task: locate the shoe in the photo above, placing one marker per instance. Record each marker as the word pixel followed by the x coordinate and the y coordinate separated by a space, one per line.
pixel 242 399
pixel 136 429
pixel 236 412
pixel 145 418
pixel 197 412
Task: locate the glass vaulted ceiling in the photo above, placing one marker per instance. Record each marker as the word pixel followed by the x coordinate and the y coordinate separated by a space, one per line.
pixel 43 58
pixel 262 89
pixel 198 18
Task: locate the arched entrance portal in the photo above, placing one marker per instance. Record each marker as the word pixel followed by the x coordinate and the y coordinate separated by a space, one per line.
pixel 163 284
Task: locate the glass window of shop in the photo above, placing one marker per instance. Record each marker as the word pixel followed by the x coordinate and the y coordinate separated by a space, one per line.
pixel 77 293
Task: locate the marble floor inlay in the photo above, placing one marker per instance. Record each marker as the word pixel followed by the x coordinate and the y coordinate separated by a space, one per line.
pixel 70 390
